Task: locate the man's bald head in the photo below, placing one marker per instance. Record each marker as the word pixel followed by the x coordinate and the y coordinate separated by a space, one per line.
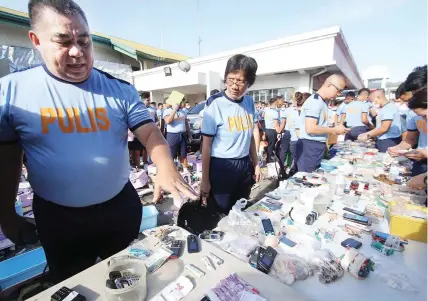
pixel 336 79
pixel 378 97
pixel 332 86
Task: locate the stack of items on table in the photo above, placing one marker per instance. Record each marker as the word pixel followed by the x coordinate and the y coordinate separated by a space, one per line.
pixel 127 273
pixel 317 223
pixel 192 174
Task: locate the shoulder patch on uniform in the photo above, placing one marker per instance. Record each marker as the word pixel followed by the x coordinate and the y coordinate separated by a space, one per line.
pixel 212 98
pixel 109 76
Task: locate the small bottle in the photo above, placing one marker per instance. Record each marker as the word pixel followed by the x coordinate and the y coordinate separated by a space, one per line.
pixel 340 184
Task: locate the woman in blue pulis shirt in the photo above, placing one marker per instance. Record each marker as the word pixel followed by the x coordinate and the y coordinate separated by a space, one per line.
pixel 229 157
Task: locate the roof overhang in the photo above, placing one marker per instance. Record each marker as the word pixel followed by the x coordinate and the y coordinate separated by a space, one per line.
pixel 178 80
pixel 303 53
pixel 131 49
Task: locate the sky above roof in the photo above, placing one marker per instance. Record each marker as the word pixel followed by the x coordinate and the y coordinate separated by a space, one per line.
pixel 379 32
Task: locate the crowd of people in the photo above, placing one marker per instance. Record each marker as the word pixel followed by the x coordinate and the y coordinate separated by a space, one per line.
pixel 71 121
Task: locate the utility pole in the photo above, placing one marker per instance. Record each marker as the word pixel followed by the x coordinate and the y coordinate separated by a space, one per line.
pixel 199 31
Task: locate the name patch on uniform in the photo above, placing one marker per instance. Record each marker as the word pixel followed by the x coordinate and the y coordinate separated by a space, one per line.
pixel 70 120
pixel 240 123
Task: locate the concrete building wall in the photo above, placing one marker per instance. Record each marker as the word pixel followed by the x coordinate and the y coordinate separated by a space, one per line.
pixel 195 98
pixel 14 36
pixel 277 81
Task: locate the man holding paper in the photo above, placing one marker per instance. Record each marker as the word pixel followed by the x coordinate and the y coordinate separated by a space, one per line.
pixel 177 127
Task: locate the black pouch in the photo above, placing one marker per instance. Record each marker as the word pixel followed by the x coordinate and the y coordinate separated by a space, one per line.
pixel 196 218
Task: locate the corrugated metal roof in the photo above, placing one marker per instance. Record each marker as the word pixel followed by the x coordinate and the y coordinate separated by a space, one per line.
pixel 140 49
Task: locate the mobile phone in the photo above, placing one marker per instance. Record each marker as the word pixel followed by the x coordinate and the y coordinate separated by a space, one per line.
pixel 287 241
pixel 360 213
pixel 266 262
pixel 350 242
pixel 267 227
pixel 255 256
pixel 210 236
pixel 176 248
pixel 65 293
pixel 221 233
pixel 363 220
pixel 193 244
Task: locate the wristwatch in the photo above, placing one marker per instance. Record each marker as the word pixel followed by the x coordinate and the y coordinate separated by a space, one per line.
pixel 425 180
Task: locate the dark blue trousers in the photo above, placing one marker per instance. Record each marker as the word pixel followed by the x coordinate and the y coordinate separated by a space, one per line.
pixel 384 144
pixel 355 132
pixel 177 144
pixel 285 145
pixel 309 154
pixel 231 180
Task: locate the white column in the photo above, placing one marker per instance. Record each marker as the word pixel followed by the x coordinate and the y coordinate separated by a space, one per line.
pixel 304 83
pixel 157 97
pixel 214 81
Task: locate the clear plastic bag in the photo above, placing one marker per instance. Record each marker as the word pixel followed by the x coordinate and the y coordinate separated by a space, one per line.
pixel 398 281
pixel 289 268
pixel 325 266
pixel 240 221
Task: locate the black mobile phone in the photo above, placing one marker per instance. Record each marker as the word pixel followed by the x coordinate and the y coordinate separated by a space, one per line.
pixel 267 227
pixel 193 244
pixel 221 233
pixel 210 236
pixel 176 248
pixel 65 293
pixel 266 262
pixel 360 213
pixel 255 256
pixel 363 220
pixel 350 242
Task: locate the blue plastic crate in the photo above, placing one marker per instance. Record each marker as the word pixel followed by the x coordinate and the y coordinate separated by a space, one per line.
pixel 150 218
pixel 21 268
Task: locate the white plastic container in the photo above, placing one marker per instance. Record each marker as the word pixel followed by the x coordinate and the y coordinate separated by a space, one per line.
pixel 136 292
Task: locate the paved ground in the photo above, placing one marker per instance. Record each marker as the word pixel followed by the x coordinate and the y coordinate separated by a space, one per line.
pixel 168 212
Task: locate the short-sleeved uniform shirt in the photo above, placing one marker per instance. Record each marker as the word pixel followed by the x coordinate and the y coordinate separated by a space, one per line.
pixel 152 112
pixel 178 125
pixel 159 113
pixel 354 112
pixel 271 115
pixel 314 107
pixel 389 112
pixel 341 108
pixel 418 123
pixel 331 115
pixel 291 115
pixel 73 134
pixel 231 125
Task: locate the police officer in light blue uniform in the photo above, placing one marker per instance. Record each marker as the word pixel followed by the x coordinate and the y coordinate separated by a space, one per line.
pixel 417 130
pixel 349 97
pixel 72 120
pixel 314 127
pixel 229 156
pixel 272 123
pixel 388 123
pixel 355 118
pixel 177 132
